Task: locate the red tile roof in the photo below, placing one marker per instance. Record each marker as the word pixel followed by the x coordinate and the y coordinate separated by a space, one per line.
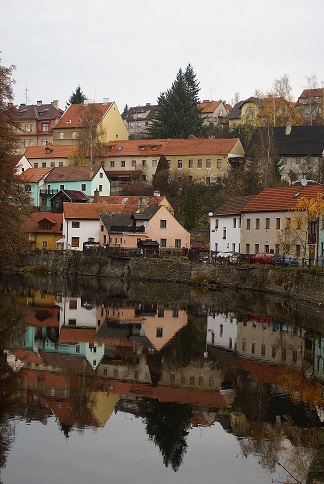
pixel 77 335
pixel 88 211
pixel 56 151
pixel 200 146
pixel 34 175
pixel 144 147
pixel 72 173
pixel 27 356
pixel 307 93
pixel 281 199
pixel 208 106
pixel 32 223
pixel 74 113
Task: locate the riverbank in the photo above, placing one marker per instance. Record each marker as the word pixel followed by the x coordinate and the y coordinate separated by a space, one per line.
pixel 300 284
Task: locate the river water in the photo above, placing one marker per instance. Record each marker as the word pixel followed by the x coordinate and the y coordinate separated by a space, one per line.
pixel 148 383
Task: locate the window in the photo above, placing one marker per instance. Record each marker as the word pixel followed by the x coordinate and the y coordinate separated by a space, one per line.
pixel 44 164
pixel 263 349
pixel 256 248
pixel 112 163
pixel 133 163
pixel 28 188
pixel 273 351
pixel 25 143
pixel 234 222
pixel 163 224
pixel 266 248
pixel 60 163
pixel 31 142
pixel 219 164
pixel 77 348
pixel 122 164
pixel 267 223
pixel 159 332
pixel 221 330
pixel 277 223
pixel 160 312
pixel 199 164
pixel 35 165
pixel 247 248
pixel 224 233
pixel 44 244
pixel 179 164
pixel 143 163
pixel 100 188
pixel 75 241
pixel 216 223
pixel 211 381
pixel 243 346
pixel 44 142
pixel 61 187
pixel 74 135
pixel 192 380
pixel 248 224
pixel 177 243
pixel 75 224
pixel 154 162
pixel 175 313
pixel 208 163
pixel 190 164
pixel 230 343
pixel 61 136
pixel 83 187
pixel 233 246
pixel 257 223
pixel 143 177
pixel 45 127
pixel 73 304
pixel 201 381
pixel 162 242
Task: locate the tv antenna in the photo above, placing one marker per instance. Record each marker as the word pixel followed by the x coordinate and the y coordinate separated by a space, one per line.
pixel 26 91
pixel 211 92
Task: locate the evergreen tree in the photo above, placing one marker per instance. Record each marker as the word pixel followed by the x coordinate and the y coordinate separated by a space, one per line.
pixel 178 115
pixel 14 200
pixel 162 175
pixel 77 97
pixel 125 111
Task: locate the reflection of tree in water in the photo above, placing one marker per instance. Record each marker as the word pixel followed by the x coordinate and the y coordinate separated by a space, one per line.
pixel 167 425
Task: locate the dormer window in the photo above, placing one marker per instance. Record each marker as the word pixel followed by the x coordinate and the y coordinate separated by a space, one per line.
pixel 48 150
pixel 68 121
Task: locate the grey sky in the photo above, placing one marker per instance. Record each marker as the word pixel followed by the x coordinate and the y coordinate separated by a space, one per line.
pixel 131 51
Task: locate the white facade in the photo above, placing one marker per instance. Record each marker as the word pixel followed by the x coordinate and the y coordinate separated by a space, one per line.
pixel 22 165
pixel 76 231
pixel 75 312
pixel 225 233
pixel 222 330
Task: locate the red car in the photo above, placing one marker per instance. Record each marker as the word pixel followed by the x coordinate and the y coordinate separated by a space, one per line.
pixel 263 258
pixel 197 247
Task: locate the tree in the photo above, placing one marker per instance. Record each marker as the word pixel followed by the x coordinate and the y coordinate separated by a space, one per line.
pixel 89 148
pixel 178 115
pixel 162 175
pixel 125 111
pixel 14 199
pixel 77 97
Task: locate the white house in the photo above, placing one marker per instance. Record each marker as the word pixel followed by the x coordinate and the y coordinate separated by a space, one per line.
pixel 222 330
pixel 225 225
pixel 80 224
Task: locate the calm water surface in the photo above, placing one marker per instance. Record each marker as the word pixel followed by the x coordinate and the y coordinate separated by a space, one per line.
pixel 101 382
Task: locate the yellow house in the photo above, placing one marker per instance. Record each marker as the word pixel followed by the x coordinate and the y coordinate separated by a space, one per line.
pixel 244 112
pixel 79 116
pixel 44 229
pixel 203 159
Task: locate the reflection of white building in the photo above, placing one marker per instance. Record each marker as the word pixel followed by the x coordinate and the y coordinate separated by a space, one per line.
pixel 319 358
pixel 222 330
pixel 76 312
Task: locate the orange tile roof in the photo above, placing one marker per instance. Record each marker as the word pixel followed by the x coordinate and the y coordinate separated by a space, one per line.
pixel 72 173
pixel 32 223
pixel 77 335
pixel 88 211
pixel 74 113
pixel 27 356
pixel 55 151
pixel 34 175
pixel 144 147
pixel 281 199
pixel 200 146
pixel 208 106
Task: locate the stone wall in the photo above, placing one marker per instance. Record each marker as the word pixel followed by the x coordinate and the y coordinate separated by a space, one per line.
pixel 303 284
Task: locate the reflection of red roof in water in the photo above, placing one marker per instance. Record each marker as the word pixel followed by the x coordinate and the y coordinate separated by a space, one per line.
pixel 42 316
pixel 206 398
pixel 262 371
pixel 66 414
pixel 27 356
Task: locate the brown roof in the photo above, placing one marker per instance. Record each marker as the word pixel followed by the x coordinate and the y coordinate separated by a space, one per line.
pixel 72 173
pixel 71 117
pixel 307 93
pixel 144 147
pixel 33 175
pixel 128 203
pixel 32 223
pixel 208 106
pixel 42 316
pixel 281 198
pixel 27 356
pixel 88 211
pixel 200 146
pixel 233 206
pixel 77 335
pixel 38 112
pixel 55 151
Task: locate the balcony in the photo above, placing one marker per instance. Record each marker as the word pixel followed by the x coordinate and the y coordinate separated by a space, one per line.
pixel 126 229
pixel 48 193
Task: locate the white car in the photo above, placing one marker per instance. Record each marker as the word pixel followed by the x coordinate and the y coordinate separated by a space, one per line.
pixel 227 256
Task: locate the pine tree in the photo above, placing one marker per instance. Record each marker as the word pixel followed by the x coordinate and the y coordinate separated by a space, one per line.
pixel 178 115
pixel 77 97
pixel 14 200
pixel 162 175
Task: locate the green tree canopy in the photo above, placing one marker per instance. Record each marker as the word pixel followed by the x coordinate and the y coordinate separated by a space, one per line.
pixel 162 175
pixel 178 115
pixel 77 97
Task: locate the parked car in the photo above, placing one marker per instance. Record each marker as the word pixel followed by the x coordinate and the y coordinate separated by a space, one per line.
pixel 197 247
pixel 228 256
pixel 286 260
pixel 263 258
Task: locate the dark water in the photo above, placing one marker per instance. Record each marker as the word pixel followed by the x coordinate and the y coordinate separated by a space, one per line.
pixel 101 382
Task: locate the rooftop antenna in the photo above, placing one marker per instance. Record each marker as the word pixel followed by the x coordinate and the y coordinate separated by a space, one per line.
pixel 26 91
pixel 211 93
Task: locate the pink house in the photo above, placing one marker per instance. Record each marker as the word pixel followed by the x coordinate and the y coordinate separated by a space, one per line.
pixel 125 230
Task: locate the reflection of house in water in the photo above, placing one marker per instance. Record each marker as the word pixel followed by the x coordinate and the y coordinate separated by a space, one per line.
pixel 319 358
pixel 76 311
pixel 81 341
pixel 275 341
pixel 222 330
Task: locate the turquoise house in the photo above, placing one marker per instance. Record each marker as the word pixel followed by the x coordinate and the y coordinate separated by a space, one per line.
pixel 33 180
pixel 86 179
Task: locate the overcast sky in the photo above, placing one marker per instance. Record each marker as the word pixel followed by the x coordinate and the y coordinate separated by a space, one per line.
pixel 130 51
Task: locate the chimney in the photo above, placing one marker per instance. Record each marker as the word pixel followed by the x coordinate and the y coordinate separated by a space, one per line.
pixel 39 103
pixel 156 193
pixel 105 100
pixel 288 129
pixel 55 103
pixel 96 196
pixel 148 104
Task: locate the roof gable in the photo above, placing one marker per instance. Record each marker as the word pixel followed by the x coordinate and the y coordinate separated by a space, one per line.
pixel 72 173
pixel 74 116
pixel 34 175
